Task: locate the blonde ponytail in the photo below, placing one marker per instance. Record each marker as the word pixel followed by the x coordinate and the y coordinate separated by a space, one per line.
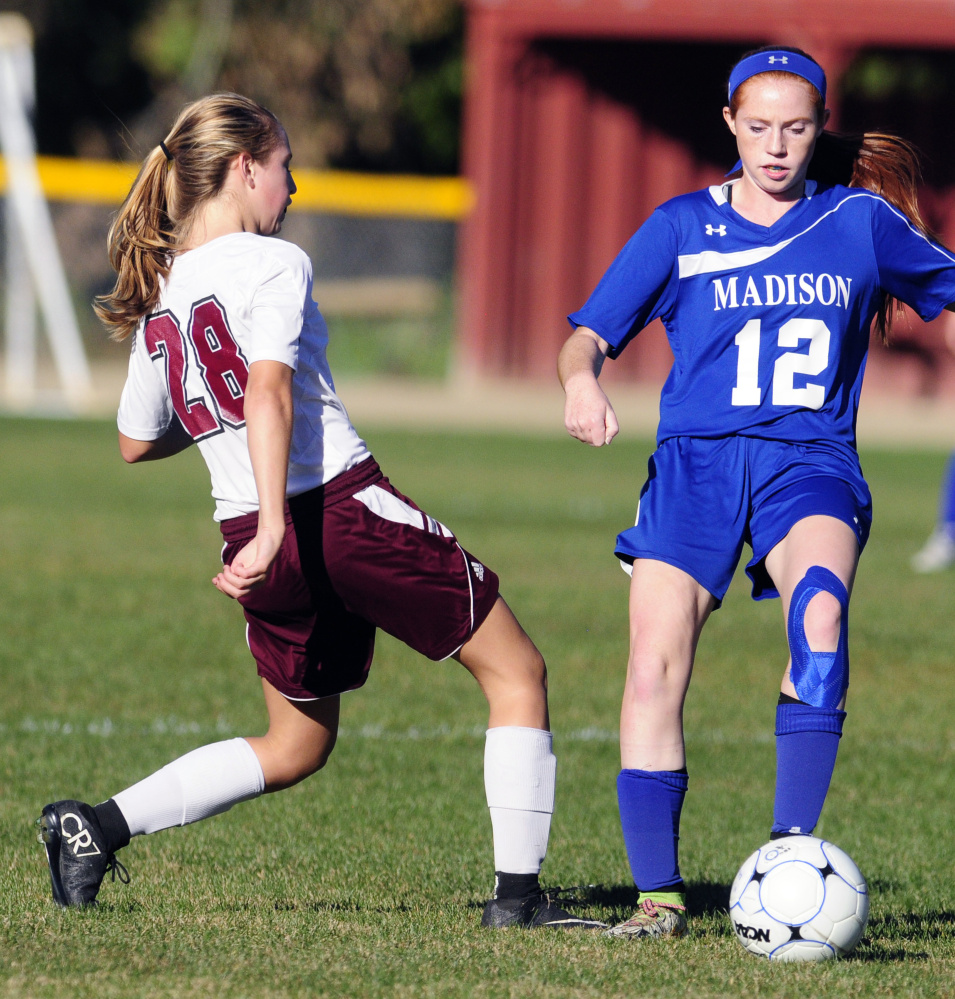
pixel 141 243
pixel 182 174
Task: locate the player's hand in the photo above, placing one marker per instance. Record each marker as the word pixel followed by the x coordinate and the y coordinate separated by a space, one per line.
pixel 250 567
pixel 588 415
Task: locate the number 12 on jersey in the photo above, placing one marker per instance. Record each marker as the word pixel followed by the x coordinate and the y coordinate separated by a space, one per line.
pixel 814 361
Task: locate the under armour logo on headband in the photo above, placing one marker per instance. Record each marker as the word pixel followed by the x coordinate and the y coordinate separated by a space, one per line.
pixel 767 61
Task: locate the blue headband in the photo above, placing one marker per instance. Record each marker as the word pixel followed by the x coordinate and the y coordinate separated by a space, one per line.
pixel 778 60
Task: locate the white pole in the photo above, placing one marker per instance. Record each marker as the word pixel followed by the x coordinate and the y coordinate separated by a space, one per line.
pixel 20 299
pixel 32 217
pixel 20 317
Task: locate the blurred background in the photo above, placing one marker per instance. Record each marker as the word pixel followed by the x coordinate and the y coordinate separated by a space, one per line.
pixel 562 123
pixel 370 87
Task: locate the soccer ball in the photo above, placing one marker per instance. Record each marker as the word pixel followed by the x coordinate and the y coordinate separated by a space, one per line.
pixel 799 898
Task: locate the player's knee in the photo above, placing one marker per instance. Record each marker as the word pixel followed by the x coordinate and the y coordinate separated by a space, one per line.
pixel 525 679
pixel 822 622
pixel 818 638
pixel 536 669
pixel 321 757
pixel 292 765
pixel 651 677
pixel 522 668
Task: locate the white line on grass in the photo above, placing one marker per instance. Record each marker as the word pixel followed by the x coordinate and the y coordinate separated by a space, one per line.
pixel 171 725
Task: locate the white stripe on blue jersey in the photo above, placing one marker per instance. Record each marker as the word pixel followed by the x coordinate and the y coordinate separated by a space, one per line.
pixel 712 261
pixel 769 325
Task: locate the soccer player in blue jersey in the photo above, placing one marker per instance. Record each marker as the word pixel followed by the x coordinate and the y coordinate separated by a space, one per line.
pixel 767 286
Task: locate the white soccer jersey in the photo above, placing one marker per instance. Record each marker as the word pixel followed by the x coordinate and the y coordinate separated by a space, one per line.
pixel 238 299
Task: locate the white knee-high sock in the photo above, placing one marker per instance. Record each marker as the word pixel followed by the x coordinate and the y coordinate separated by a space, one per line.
pixel 520 771
pixel 205 782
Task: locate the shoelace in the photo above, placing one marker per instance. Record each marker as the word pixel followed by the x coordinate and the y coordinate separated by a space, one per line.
pixel 116 869
pixel 558 894
pixel 653 909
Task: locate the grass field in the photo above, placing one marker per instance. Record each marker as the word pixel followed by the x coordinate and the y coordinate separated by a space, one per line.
pixel 117 654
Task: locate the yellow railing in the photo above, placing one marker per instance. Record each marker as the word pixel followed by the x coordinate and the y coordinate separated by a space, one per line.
pixel 339 192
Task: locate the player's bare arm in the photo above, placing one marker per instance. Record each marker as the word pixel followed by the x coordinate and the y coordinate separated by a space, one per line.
pixel 173 441
pixel 588 415
pixel 268 415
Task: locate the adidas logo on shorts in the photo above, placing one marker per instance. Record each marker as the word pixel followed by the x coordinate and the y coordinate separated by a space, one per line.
pixel 478 570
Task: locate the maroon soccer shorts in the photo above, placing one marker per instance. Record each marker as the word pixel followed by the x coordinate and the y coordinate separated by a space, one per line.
pixel 357 555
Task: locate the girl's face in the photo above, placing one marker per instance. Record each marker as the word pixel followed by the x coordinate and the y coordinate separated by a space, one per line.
pixel 776 130
pixel 273 189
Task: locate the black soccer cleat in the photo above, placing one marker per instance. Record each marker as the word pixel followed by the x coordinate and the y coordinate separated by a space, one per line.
pixel 537 909
pixel 76 853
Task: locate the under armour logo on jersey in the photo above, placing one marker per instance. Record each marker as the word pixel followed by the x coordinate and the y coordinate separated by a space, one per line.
pixel 782 59
pixel 715 230
pixel 478 570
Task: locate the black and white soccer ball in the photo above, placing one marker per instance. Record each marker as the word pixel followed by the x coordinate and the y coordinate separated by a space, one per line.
pixel 799 898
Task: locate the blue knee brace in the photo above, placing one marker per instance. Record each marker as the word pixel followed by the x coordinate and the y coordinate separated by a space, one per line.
pixel 820 678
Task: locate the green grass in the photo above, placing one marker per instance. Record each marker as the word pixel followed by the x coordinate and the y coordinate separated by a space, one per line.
pixel 404 346
pixel 117 654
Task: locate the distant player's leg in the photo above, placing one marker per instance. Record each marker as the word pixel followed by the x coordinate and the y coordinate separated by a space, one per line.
pixel 519 772
pixel 946 513
pixel 668 609
pixel 813 568
pixel 82 840
pixel 938 552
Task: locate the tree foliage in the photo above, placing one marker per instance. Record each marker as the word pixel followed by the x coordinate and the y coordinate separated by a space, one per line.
pixel 358 83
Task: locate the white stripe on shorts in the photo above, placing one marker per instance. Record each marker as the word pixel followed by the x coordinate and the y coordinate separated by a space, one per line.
pixel 471 593
pixel 387 506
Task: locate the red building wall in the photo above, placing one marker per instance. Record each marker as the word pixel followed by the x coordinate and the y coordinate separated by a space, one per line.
pixel 582 115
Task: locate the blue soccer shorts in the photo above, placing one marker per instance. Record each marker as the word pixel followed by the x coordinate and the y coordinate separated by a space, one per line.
pixel 704 498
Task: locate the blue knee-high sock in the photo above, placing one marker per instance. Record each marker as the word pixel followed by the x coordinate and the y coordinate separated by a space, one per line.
pixel 650 804
pixel 807 741
pixel 946 515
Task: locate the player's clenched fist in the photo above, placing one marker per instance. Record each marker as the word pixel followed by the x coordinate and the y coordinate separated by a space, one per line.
pixel 588 415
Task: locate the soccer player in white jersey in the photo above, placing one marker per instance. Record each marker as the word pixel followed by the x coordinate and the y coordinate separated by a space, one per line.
pixel 767 286
pixel 229 352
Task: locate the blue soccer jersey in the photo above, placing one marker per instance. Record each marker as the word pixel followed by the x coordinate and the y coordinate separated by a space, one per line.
pixel 769 326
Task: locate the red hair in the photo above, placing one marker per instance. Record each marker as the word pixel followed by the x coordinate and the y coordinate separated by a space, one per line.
pixel 876 161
